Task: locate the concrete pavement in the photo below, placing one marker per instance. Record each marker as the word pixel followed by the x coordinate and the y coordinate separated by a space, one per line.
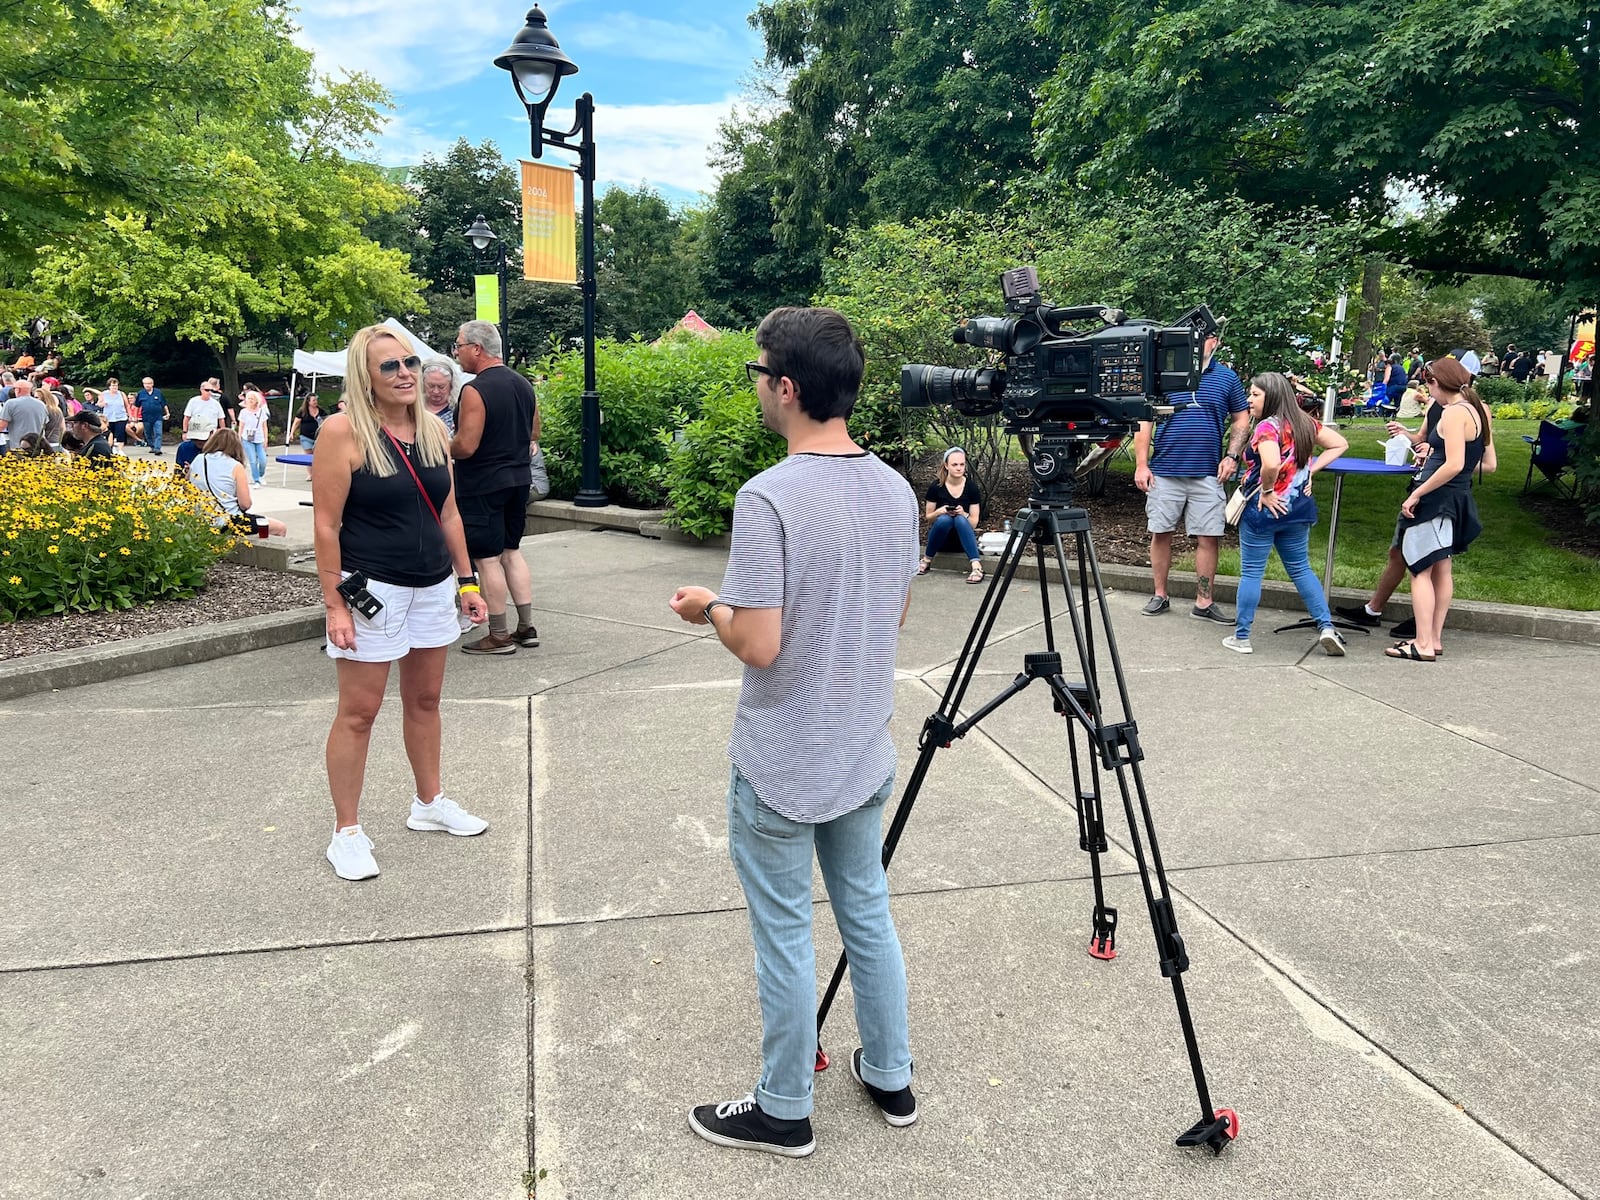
pixel 1385 877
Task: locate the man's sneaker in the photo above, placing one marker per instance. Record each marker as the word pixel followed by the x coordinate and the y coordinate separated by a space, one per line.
pixel 1359 614
pixel 1332 643
pixel 1242 645
pixel 527 637
pixel 1155 606
pixel 494 643
pixel 898 1108
pixel 741 1125
pixel 1406 628
pixel 1212 612
pixel 446 815
pixel 350 852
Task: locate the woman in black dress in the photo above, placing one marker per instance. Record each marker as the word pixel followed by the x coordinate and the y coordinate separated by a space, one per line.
pixel 1439 519
pixel 951 506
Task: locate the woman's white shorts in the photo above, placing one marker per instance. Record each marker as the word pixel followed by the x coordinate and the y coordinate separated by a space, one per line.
pixel 412 619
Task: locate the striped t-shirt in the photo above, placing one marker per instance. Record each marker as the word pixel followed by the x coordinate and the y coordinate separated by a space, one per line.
pixel 832 540
pixel 1188 444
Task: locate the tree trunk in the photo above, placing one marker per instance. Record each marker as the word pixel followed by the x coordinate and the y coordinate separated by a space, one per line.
pixel 228 356
pixel 1371 310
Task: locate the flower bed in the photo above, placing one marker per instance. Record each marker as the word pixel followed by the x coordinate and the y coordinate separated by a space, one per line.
pixel 75 537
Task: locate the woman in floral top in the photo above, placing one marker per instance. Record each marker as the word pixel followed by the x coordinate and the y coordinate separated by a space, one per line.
pixel 1281 512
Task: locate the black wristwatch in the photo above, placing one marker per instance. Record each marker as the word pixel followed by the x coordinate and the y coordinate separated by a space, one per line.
pixel 710 604
pixel 466 580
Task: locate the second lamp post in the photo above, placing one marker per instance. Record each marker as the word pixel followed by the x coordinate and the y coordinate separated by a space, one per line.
pixel 491 251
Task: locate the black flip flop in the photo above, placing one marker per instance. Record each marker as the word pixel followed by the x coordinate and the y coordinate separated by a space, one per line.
pixel 1407 651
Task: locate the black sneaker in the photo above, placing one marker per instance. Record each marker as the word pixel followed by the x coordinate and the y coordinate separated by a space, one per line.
pixel 1211 612
pixel 741 1125
pixel 1358 614
pixel 527 637
pixel 1406 628
pixel 898 1108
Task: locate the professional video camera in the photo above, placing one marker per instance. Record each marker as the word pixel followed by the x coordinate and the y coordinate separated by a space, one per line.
pixel 1058 381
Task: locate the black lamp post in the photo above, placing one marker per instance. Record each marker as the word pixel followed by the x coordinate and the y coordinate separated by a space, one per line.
pixel 491 251
pixel 537 64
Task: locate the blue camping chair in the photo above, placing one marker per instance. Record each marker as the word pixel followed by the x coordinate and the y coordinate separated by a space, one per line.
pixel 1377 404
pixel 1552 455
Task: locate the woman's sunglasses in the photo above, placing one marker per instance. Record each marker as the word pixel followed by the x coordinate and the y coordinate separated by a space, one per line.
pixel 390 367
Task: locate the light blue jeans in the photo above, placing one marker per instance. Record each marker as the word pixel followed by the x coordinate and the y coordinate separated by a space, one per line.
pixel 255 457
pixel 772 856
pixel 939 533
pixel 1293 545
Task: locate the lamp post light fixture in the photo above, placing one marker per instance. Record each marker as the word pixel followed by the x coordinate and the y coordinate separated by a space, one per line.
pixel 537 66
pixel 491 251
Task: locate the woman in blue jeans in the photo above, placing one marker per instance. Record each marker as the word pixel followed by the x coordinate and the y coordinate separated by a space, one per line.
pixel 1280 511
pixel 951 506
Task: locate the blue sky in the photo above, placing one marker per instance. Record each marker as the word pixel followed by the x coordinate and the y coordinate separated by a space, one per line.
pixel 663 75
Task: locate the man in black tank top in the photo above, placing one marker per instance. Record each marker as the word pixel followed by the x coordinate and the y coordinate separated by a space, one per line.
pixel 496 426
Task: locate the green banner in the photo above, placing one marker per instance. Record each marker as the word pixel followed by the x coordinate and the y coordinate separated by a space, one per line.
pixel 488 291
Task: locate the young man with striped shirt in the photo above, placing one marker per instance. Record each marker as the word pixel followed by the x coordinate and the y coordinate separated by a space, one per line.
pixel 817 587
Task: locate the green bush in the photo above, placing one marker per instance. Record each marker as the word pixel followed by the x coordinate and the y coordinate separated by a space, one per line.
pixel 712 457
pixel 1509 412
pixel 1538 410
pixel 1495 390
pixel 79 538
pixel 643 388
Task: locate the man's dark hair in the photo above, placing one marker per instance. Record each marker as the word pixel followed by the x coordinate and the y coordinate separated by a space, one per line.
pixel 817 349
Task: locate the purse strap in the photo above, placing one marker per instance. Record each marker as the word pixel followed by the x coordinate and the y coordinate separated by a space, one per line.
pixel 405 458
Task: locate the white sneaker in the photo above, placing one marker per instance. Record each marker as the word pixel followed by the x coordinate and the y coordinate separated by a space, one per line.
pixel 350 852
pixel 1242 645
pixel 444 813
pixel 1332 643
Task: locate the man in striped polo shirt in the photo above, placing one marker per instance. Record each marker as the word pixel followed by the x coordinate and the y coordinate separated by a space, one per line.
pixel 817 587
pixel 1179 471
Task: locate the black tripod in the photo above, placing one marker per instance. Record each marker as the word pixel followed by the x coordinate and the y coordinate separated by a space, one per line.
pixel 1108 743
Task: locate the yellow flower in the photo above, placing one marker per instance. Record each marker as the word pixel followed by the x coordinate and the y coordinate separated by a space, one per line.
pixel 124 551
pixel 54 549
pixel 16 579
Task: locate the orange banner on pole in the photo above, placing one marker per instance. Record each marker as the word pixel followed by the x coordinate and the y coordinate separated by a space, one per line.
pixel 549 243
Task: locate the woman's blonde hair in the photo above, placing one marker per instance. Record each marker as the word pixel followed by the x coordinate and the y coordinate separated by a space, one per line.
pixel 51 401
pixel 433 440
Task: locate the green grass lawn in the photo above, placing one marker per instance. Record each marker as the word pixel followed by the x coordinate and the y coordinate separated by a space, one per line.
pixel 1511 562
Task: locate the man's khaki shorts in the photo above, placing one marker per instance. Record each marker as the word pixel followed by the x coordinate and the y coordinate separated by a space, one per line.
pixel 1198 501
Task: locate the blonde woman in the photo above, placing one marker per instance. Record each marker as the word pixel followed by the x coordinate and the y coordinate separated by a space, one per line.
pixel 951 506
pixel 385 512
pixel 253 417
pixel 55 422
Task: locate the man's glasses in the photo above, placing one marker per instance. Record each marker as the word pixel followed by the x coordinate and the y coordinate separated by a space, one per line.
pixel 754 370
pixel 390 367
pixel 459 347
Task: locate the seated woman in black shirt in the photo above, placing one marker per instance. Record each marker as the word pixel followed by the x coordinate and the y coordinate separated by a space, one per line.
pixel 952 506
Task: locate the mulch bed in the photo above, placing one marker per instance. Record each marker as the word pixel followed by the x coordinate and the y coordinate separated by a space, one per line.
pixel 231 591
pixel 1563 522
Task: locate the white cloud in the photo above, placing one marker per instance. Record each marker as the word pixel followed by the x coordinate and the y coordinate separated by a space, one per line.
pixel 663 145
pixel 410 45
pixel 652 40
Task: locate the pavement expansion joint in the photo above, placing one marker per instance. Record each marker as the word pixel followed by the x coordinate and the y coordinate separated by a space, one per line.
pixel 252 951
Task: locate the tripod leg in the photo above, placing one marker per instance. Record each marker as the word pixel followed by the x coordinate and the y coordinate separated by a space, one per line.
pixel 1119 751
pixel 1092 840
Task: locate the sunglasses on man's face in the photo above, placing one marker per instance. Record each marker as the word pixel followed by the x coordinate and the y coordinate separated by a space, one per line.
pixel 390 367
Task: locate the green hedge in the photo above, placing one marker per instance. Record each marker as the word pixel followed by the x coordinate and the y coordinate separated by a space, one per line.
pixel 644 389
